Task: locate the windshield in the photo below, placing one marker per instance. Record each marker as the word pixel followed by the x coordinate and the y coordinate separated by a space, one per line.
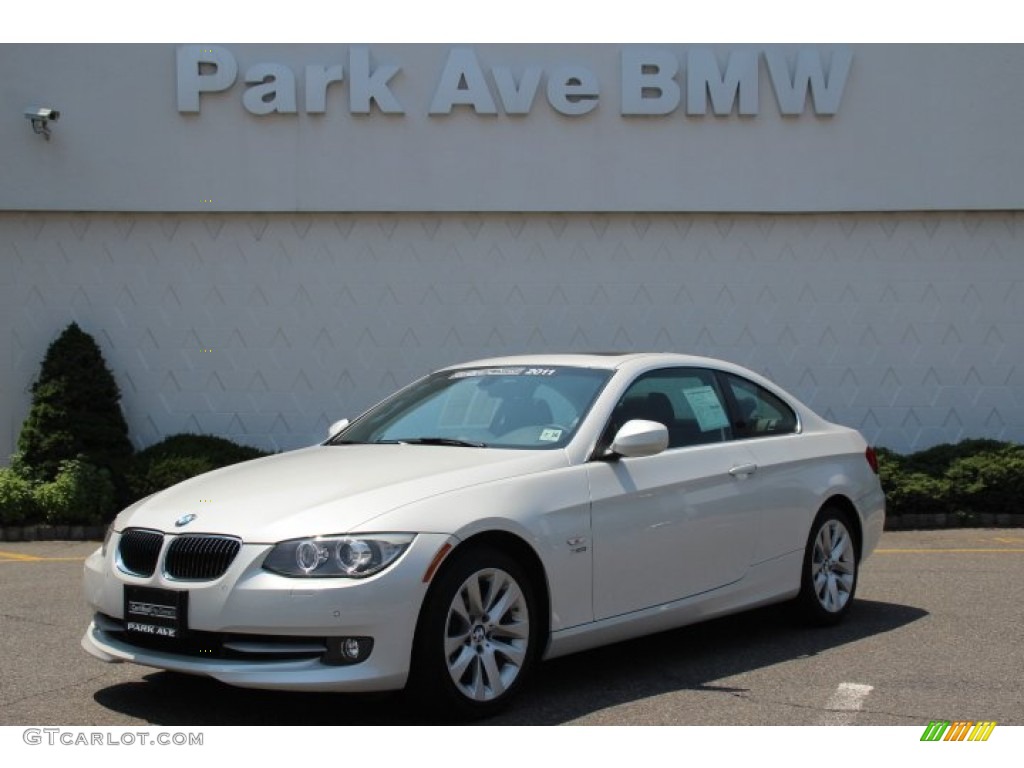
pixel 516 407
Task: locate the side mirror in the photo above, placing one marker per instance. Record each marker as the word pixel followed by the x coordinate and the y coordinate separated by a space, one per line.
pixel 336 427
pixel 639 438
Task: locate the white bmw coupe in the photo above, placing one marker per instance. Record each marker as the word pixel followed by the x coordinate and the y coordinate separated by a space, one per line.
pixel 488 516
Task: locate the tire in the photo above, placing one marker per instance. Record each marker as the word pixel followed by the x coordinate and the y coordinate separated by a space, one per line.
pixel 830 568
pixel 477 637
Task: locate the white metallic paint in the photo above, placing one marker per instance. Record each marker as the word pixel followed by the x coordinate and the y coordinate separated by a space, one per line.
pixel 627 547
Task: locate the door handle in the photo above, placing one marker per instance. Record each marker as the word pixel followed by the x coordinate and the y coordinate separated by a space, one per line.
pixel 743 470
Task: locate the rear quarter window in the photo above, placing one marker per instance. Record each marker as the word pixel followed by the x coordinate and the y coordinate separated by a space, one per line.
pixel 758 412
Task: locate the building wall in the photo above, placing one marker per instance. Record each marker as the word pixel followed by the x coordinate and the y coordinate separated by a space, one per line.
pixel 886 128
pixel 266 327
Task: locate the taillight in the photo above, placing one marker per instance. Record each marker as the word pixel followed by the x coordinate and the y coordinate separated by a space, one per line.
pixel 872 458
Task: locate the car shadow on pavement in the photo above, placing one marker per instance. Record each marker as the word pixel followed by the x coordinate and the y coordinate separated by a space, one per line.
pixel 562 690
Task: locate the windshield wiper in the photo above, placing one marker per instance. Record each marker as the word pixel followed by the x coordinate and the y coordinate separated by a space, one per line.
pixel 441 441
pixel 365 442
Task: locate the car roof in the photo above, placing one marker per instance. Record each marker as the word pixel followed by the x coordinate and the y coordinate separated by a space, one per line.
pixel 601 360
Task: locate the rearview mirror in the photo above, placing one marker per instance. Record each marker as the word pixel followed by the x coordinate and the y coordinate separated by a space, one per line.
pixel 336 427
pixel 640 438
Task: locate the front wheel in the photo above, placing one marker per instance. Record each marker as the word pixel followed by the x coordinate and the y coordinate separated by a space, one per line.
pixel 829 577
pixel 477 636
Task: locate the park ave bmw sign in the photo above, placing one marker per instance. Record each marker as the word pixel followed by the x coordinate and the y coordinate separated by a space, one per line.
pixel 652 81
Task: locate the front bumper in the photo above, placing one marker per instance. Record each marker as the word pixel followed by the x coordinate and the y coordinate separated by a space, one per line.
pixel 254 609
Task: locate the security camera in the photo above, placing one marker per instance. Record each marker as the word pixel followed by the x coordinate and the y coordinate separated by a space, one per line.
pixel 41 117
pixel 42 113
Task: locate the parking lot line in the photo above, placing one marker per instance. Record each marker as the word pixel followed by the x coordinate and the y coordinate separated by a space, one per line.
pixel 18 557
pixel 845 703
pixel 967 550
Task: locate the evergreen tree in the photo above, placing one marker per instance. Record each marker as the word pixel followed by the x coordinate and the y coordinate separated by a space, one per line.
pixel 75 412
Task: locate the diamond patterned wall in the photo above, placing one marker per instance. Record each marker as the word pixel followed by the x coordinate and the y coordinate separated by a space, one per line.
pixel 265 328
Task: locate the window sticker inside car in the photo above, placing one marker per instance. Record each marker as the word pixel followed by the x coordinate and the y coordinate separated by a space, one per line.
pixel 487 372
pixel 550 435
pixel 707 408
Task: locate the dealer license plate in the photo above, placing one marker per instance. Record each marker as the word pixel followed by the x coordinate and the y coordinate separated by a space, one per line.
pixel 155 612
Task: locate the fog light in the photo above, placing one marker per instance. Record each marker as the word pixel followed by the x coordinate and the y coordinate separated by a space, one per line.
pixel 347 650
pixel 350 648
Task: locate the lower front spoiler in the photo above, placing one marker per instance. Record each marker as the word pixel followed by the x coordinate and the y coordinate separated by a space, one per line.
pixel 301 675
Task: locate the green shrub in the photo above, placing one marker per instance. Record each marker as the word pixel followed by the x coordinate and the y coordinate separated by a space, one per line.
pixel 217 450
pixel 890 465
pixel 17 503
pixel 165 472
pixel 936 460
pixel 915 493
pixel 80 494
pixel 180 457
pixel 965 479
pixel 992 481
pixel 75 412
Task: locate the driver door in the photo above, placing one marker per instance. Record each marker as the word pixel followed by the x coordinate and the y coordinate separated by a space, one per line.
pixel 679 523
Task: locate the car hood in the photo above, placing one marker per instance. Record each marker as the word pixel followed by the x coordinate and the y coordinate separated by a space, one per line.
pixel 327 489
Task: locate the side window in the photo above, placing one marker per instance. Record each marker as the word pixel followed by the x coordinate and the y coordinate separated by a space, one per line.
pixel 687 401
pixel 758 411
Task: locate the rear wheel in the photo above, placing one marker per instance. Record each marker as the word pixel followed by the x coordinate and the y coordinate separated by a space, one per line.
pixel 477 636
pixel 829 578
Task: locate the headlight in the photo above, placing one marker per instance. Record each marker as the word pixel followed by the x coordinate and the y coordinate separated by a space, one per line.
pixel 354 557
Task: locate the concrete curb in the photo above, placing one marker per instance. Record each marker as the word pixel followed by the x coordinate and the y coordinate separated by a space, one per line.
pixel 53 533
pixel 940 520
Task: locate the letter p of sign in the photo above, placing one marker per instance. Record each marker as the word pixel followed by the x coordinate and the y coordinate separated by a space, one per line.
pixel 203 69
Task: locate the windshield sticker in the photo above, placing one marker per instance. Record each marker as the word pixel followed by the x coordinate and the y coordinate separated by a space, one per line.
pixel 504 372
pixel 707 408
pixel 550 435
pixel 487 372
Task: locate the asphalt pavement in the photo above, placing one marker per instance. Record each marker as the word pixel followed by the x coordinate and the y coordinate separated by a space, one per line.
pixel 935 634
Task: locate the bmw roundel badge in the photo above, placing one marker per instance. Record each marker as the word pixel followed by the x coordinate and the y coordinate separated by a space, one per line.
pixel 184 520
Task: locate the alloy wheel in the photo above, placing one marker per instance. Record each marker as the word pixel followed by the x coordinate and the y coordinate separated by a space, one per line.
pixel 833 566
pixel 487 634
